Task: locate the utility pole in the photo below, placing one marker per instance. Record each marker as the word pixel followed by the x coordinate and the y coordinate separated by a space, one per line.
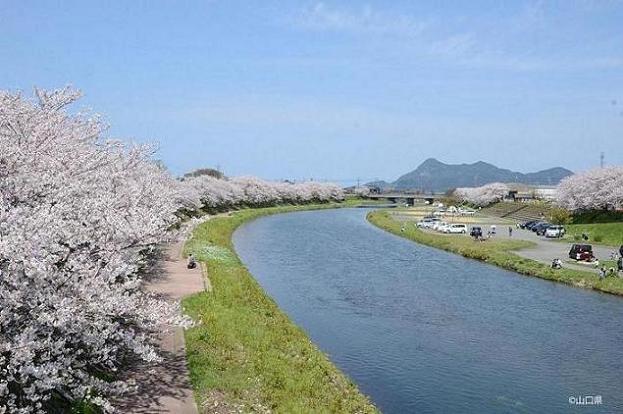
pixel 601 159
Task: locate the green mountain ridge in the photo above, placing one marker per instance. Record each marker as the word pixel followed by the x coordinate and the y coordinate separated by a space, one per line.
pixel 434 175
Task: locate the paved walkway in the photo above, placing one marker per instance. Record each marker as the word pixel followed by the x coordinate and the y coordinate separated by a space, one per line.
pixel 166 388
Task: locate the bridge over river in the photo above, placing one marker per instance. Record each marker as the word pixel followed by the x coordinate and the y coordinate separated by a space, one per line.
pixel 410 199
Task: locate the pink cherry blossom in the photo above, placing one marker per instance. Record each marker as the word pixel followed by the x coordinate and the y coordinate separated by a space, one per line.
pixel 597 189
pixel 484 195
pixel 80 217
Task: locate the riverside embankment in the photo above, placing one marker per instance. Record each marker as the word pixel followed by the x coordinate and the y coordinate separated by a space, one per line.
pixel 501 253
pixel 423 330
pixel 246 355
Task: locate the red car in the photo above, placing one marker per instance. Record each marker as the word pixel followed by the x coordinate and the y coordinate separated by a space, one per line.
pixel 582 252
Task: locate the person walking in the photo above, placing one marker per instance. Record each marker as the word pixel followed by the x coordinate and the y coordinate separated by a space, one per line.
pixel 510 231
pixel 493 229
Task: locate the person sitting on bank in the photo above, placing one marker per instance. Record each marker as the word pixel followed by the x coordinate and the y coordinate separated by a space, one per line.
pixel 191 262
pixel 602 272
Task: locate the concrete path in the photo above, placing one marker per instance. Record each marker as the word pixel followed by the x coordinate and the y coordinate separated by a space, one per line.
pixel 166 388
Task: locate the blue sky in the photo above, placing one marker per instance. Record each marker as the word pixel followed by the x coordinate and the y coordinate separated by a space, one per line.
pixel 335 90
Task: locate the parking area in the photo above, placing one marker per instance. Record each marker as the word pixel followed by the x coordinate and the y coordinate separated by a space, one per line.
pixel 544 250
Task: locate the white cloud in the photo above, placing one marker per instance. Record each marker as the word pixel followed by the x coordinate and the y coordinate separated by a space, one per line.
pixel 363 21
pixel 463 41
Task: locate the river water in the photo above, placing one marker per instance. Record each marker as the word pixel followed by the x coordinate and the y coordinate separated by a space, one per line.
pixel 422 330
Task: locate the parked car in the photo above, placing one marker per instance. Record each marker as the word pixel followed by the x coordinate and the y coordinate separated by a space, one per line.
pixel 531 225
pixel 476 232
pixel 438 224
pixel 526 224
pixel 443 228
pixel 582 252
pixel 466 212
pixel 540 229
pixel 424 223
pixel 427 222
pixel 536 225
pixel 555 232
pixel 456 229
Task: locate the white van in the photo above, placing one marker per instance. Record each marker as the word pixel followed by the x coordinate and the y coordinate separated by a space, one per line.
pixel 456 229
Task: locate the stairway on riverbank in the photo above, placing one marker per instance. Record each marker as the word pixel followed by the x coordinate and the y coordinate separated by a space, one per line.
pixel 518 211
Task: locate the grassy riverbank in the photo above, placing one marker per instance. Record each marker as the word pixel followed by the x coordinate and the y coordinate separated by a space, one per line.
pixel 497 252
pixel 609 234
pixel 246 355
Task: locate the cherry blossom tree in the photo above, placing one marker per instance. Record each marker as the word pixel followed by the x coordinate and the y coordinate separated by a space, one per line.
pixel 215 194
pixel 257 192
pixel 597 189
pixel 484 195
pixel 230 193
pixel 79 217
pixel 362 191
pixel 78 214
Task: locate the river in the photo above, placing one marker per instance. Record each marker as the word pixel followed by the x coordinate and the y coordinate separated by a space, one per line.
pixel 421 330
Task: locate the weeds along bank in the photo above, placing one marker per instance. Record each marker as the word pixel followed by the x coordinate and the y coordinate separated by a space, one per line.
pixel 246 354
pixel 497 252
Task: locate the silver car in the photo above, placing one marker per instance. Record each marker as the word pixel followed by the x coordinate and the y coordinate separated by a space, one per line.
pixel 554 232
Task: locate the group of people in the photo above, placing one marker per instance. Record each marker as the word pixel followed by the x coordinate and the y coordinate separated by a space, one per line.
pixel 490 233
pixel 493 231
pixel 603 272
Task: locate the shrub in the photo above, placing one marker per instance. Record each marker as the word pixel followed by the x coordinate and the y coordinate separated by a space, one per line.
pixel 560 215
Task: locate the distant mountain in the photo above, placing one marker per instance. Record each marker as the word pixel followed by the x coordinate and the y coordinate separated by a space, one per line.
pixel 433 175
